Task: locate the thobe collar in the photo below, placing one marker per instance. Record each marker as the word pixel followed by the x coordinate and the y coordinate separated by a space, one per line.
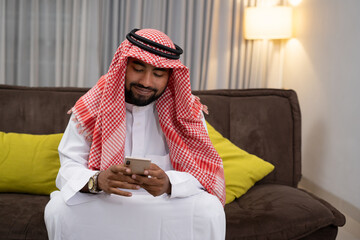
pixel 133 108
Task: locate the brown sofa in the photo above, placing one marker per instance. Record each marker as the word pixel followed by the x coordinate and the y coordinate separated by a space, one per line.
pixel 265 122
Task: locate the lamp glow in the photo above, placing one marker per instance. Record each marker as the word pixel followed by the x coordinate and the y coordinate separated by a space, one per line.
pixel 268 22
pixel 295 2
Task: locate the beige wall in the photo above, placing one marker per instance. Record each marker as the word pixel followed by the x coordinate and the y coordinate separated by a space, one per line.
pixel 323 65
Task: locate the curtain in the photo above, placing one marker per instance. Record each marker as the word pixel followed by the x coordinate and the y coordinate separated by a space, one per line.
pixel 71 43
pixel 48 43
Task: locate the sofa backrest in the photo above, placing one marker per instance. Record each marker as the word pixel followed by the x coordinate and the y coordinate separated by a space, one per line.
pixel 264 122
pixel 36 110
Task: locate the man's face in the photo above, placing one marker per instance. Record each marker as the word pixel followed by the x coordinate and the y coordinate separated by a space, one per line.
pixel 144 83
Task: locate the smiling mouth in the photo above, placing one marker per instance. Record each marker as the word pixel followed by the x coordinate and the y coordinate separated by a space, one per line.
pixel 143 90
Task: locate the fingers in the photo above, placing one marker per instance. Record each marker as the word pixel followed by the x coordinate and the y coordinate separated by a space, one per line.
pixel 157 184
pixel 155 172
pixel 121 193
pixel 153 176
pixel 125 185
pixel 145 180
pixel 114 188
pixel 116 177
pixel 120 169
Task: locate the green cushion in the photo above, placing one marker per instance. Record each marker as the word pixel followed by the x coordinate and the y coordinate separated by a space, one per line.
pixel 241 169
pixel 28 163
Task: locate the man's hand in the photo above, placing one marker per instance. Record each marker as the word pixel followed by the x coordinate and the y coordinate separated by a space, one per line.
pixel 158 182
pixel 117 176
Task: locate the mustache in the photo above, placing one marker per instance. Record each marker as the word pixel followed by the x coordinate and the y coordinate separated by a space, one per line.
pixel 142 86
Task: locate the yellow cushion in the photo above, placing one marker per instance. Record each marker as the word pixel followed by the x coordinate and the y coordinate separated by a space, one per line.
pixel 241 169
pixel 28 163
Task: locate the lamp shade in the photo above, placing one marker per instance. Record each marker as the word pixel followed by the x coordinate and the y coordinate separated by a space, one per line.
pixel 268 22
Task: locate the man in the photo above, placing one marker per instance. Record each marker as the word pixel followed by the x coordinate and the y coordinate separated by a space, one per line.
pixel 143 107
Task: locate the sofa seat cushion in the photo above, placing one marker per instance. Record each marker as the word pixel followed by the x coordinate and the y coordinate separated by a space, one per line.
pixel 270 211
pixel 22 216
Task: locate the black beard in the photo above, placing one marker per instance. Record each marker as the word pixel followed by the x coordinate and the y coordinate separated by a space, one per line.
pixel 130 98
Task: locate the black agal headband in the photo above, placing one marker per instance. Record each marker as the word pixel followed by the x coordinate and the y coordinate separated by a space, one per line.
pixel 141 41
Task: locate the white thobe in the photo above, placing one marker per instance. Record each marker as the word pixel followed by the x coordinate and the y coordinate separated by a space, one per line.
pixel 188 213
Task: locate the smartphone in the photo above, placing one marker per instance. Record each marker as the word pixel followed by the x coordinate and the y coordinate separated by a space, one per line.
pixel 137 165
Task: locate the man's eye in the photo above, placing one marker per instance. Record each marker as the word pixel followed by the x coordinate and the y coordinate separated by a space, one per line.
pixel 138 69
pixel 158 74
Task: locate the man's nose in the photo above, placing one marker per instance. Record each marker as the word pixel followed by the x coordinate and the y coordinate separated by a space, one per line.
pixel 146 79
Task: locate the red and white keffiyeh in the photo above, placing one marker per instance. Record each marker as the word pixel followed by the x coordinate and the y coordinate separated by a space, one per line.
pixel 101 113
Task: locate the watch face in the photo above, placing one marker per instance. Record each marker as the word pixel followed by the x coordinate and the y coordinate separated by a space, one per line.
pixel 91 184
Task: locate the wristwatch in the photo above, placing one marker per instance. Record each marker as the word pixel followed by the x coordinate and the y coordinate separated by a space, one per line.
pixel 93 183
